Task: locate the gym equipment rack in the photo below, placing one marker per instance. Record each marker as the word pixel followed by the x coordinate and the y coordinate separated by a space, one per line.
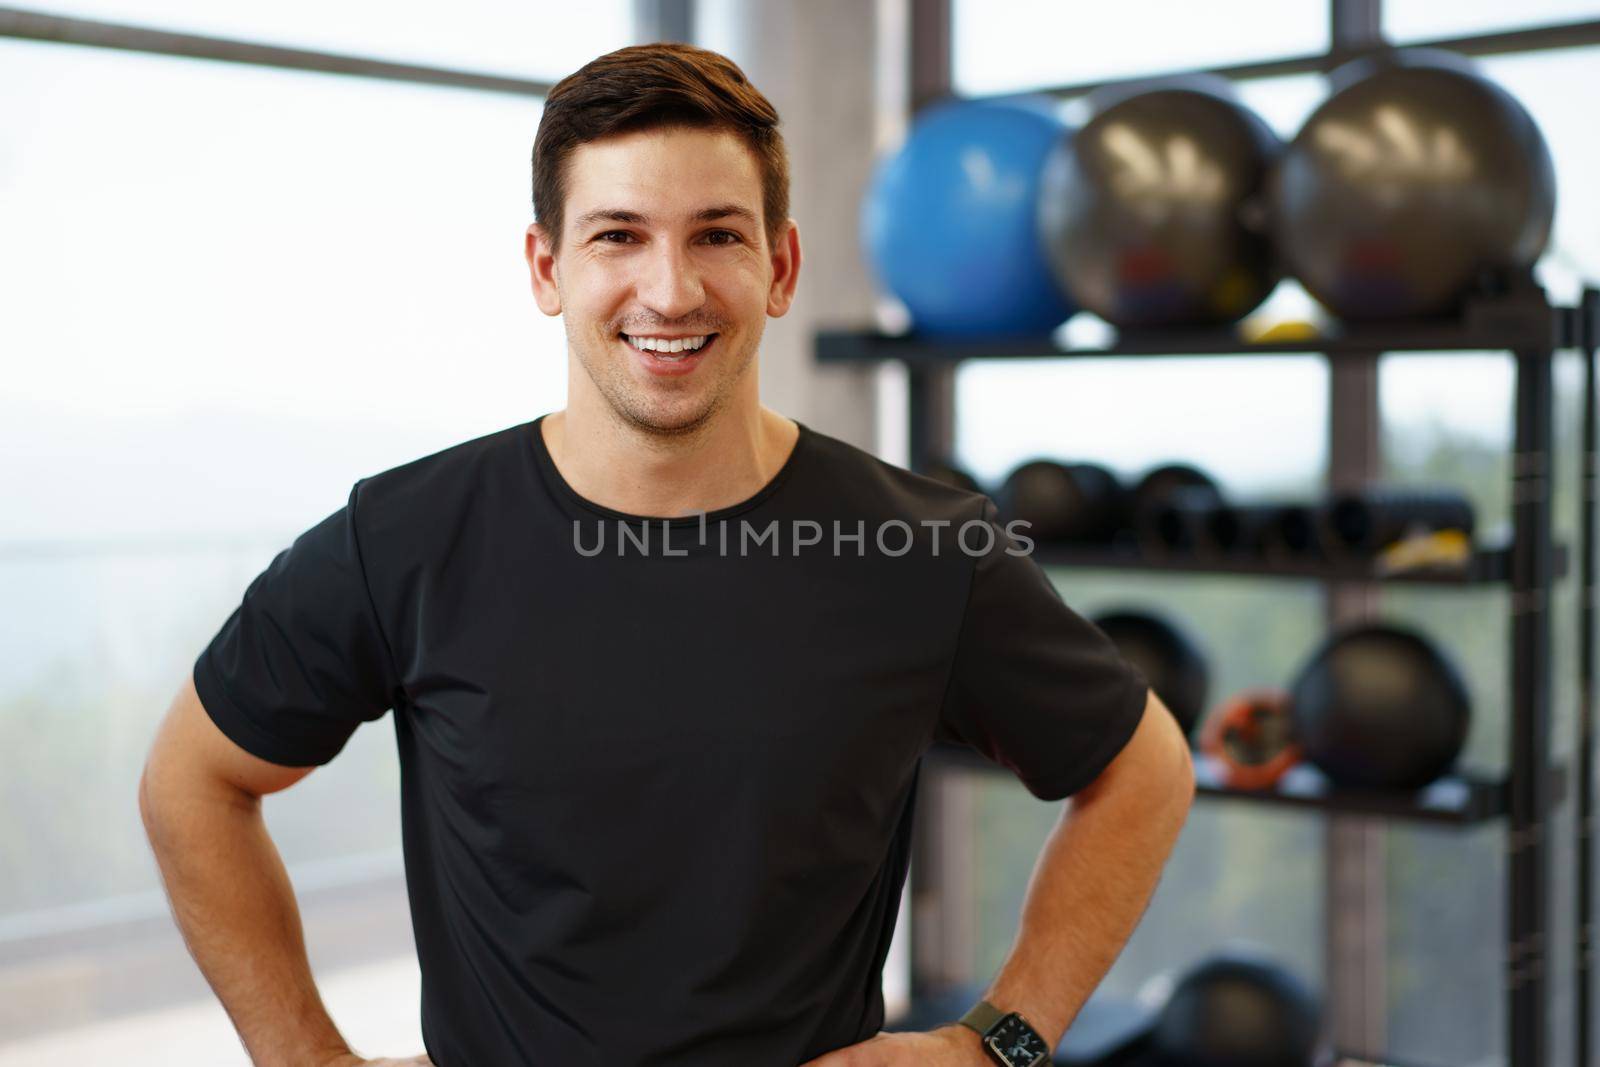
pixel 1525 324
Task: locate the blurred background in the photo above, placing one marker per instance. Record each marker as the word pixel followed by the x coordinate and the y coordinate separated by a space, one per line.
pixel 250 253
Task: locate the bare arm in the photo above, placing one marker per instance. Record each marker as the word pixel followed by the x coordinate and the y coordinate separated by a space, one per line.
pixel 1095 876
pixel 200 797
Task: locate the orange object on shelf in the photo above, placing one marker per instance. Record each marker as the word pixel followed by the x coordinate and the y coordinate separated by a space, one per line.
pixel 1249 735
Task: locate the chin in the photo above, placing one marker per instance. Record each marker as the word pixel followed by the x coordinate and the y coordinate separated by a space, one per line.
pixel 671 418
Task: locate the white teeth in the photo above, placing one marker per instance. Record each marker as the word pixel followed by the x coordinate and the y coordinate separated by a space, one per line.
pixel 663 344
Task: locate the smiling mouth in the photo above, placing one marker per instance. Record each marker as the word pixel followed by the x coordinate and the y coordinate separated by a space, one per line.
pixel 669 349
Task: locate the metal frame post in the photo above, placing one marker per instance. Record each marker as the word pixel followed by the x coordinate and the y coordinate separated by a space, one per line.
pixel 1589 497
pixel 1356 883
pixel 1528 852
pixel 942 929
pixel 1356 926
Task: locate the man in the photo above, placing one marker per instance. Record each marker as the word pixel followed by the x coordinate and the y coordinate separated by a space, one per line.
pixel 663 665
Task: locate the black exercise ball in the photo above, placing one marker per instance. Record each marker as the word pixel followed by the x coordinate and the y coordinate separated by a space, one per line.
pixel 1380 706
pixel 1078 502
pixel 1289 533
pixel 1165 504
pixel 1417 179
pixel 1364 522
pixel 1239 529
pixel 1238 1009
pixel 1168 657
pixel 1147 212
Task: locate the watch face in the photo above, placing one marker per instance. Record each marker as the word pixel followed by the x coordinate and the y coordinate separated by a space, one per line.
pixel 1016 1043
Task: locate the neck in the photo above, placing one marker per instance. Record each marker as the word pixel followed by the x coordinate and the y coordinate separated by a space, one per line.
pixel 619 466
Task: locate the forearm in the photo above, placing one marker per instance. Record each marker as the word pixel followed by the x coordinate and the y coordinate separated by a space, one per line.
pixel 1091 885
pixel 233 901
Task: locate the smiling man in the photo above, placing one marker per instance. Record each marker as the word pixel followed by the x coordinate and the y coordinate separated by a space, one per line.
pixel 657 791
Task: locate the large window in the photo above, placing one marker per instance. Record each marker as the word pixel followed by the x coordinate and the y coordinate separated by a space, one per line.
pixel 541 40
pixel 231 291
pixel 1413 20
pixel 1543 82
pixel 1003 46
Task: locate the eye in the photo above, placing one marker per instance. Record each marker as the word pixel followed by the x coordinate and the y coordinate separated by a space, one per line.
pixel 723 237
pixel 614 237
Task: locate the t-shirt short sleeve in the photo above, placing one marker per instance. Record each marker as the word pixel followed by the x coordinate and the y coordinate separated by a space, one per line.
pixel 1035 687
pixel 303 660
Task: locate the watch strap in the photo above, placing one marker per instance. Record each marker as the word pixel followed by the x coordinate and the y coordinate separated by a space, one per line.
pixel 982 1017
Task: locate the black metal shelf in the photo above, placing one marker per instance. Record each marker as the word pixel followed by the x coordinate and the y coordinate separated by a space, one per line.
pixel 1456 800
pixel 1515 320
pixel 1487 565
pixel 1506 324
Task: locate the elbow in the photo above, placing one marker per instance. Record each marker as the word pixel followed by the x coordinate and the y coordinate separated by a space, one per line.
pixel 1186 786
pixel 159 800
pixel 149 812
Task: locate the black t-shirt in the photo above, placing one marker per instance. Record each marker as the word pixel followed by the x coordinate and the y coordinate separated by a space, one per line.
pixel 657 775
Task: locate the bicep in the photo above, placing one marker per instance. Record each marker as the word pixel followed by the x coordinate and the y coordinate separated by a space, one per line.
pixel 189 749
pixel 1157 754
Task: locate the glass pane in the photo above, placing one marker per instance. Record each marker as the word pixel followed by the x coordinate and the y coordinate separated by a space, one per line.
pixel 1544 82
pixel 1285 102
pixel 541 39
pixel 1008 45
pixel 231 292
pixel 1415 20
pixel 1263 433
pixel 1446 1001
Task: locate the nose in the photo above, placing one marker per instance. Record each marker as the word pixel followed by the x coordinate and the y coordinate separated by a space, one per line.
pixel 669 281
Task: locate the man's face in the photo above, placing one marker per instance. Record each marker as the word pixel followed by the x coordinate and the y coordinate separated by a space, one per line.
pixel 663 246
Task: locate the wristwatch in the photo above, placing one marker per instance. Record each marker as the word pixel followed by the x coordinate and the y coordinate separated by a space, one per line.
pixel 1007 1037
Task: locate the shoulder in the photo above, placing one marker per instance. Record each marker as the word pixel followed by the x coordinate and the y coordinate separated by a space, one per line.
pixel 861 482
pixel 442 484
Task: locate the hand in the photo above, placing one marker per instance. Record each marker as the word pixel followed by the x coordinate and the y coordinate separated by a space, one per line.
pixel 350 1059
pixel 948 1046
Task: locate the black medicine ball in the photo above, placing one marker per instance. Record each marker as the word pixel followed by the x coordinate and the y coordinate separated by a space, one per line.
pixel 1381 707
pixel 1238 1010
pixel 1168 657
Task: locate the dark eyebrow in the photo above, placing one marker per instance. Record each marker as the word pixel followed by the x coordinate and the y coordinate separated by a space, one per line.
pixel 633 218
pixel 590 218
pixel 726 211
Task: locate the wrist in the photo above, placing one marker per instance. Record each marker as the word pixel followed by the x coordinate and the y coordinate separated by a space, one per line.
pixel 1006 1035
pixel 342 1059
pixel 326 1055
pixel 1044 1016
pixel 967 1041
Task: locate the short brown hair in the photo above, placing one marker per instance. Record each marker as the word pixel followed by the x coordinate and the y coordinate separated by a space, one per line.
pixel 653 86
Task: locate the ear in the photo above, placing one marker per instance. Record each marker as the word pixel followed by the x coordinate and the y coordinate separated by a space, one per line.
pixel 785 270
pixel 541 259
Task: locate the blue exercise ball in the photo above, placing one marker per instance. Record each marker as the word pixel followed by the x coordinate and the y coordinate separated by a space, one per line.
pixel 951 221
